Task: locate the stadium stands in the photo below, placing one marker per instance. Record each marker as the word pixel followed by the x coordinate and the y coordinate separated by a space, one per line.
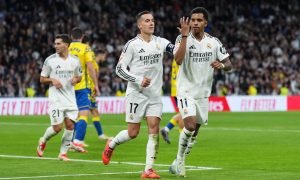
pixel 262 37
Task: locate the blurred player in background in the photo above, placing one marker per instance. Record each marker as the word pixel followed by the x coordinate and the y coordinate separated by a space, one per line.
pixel 198 54
pixel 143 56
pixel 176 119
pixel 100 56
pixel 61 71
pixel 83 97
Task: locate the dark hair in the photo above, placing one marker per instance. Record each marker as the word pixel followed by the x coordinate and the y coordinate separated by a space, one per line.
pixel 200 10
pixel 65 38
pixel 85 39
pixel 76 33
pixel 139 15
pixel 100 51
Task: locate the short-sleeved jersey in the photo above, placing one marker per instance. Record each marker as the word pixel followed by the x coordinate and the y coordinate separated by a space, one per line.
pixel 84 53
pixel 144 59
pixel 195 75
pixel 175 68
pixel 62 70
pixel 96 67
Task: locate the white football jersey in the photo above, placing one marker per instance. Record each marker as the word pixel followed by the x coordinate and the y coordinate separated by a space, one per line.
pixel 144 59
pixel 62 70
pixel 195 75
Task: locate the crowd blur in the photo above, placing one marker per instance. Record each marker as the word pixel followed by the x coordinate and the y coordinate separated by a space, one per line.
pixel 262 37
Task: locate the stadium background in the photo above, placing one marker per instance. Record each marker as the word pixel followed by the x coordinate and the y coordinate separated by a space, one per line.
pixel 262 37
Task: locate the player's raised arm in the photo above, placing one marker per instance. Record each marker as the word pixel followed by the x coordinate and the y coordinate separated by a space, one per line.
pixel 180 45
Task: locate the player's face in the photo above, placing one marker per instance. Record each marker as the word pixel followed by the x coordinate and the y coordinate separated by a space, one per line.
pixel 60 46
pixel 146 24
pixel 198 23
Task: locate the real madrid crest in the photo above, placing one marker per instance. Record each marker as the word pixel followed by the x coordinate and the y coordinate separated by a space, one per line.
pixel 209 45
pixel 157 46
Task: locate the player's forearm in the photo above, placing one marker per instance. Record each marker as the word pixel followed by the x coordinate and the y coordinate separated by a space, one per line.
pixel 123 73
pixel 227 65
pixel 180 53
pixel 78 78
pixel 92 73
pixel 45 80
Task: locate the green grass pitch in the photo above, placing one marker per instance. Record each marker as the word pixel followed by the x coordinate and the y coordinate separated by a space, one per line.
pixel 237 145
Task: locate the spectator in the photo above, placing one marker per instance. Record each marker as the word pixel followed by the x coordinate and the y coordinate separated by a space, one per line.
pixel 263 40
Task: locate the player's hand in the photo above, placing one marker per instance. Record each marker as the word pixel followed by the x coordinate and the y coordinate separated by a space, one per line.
pixel 184 26
pixel 56 83
pixel 74 81
pixel 96 91
pixel 146 82
pixel 217 65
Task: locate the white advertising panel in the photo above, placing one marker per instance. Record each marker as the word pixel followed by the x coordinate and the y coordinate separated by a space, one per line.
pixel 39 106
pixel 257 103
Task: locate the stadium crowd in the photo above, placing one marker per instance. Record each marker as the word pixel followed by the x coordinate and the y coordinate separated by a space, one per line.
pixel 262 37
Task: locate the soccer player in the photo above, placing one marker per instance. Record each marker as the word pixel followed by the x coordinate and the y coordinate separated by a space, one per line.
pixel 94 107
pixel 62 71
pixel 143 56
pixel 198 54
pixel 83 52
pixel 176 118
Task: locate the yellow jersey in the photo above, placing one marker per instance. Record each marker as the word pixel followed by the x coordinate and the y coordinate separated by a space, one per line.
pixel 175 68
pixel 84 53
pixel 96 67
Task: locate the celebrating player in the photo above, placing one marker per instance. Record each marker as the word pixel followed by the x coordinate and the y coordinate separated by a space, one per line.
pixel 143 55
pixel 198 54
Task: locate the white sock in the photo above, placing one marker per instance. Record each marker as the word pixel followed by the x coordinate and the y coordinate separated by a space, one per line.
pixel 152 148
pixel 119 139
pixel 49 133
pixel 184 137
pixel 66 141
pixel 166 128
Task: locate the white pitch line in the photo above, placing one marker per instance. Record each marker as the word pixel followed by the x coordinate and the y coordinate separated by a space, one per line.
pixel 76 175
pixel 95 161
pixel 189 168
pixel 206 128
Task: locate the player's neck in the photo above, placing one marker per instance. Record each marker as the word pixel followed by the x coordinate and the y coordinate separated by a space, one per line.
pixel 146 37
pixel 63 55
pixel 199 36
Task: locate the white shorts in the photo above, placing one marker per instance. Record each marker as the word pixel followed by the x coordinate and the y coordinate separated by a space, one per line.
pixel 191 107
pixel 57 116
pixel 139 106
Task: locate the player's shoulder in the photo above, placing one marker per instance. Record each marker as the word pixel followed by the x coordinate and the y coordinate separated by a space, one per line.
pixel 50 58
pixel 213 39
pixel 159 39
pixel 74 57
pixel 130 43
pixel 78 45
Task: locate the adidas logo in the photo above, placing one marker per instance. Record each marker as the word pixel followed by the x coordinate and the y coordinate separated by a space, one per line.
pixel 192 47
pixel 142 50
pixel 58 67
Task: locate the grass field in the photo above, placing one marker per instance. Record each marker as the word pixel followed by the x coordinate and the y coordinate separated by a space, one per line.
pixel 232 146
